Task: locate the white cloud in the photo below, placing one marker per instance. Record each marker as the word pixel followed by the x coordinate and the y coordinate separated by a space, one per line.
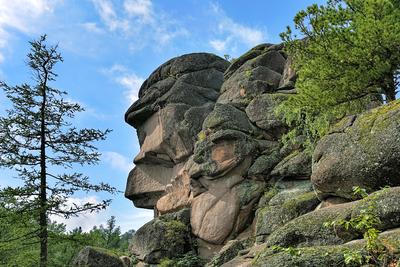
pixel 219 45
pixel 19 14
pixel 140 23
pixel 230 33
pixel 132 83
pixel 127 79
pixel 135 220
pixel 109 16
pixel 26 16
pixel 85 220
pixel 92 27
pixel 140 8
pixel 117 161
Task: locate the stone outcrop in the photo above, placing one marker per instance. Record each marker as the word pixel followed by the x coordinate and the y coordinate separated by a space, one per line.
pixel 361 150
pixel 172 105
pixel 309 229
pixel 97 257
pixel 281 204
pixel 239 152
pixel 222 185
pixel 167 236
pixel 317 256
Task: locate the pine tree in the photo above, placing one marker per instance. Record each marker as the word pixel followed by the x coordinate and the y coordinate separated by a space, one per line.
pixel 37 138
pixel 346 52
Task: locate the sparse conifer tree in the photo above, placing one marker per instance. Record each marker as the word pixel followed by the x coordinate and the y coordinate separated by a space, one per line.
pixel 37 138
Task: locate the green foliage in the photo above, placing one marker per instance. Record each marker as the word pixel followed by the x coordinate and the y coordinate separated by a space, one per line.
pixel 349 57
pixel 201 136
pixel 248 74
pixel 174 231
pixel 37 139
pixel 109 236
pixel 188 260
pixel 63 246
pixel 354 256
pixel 175 227
pixel 366 222
pixel 290 250
pixel 134 261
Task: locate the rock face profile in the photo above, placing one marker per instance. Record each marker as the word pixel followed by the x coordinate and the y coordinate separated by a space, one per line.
pixel 172 105
pixel 222 186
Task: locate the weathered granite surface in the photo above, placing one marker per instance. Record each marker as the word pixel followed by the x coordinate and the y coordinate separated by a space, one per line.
pixel 211 161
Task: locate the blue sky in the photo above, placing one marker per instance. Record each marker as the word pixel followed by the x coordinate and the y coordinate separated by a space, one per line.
pixel 110 47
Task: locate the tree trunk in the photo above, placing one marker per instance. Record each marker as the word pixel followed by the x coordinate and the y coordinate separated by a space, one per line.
pixel 390 89
pixel 390 96
pixel 43 183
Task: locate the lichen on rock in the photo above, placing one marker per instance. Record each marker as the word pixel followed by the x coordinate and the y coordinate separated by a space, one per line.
pixel 224 187
pixel 366 153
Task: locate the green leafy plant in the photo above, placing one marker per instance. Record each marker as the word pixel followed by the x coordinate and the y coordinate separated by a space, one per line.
pixel 201 136
pixel 188 260
pixel 365 222
pixel 248 73
pixel 134 261
pixel 346 55
pixel 354 256
pixel 290 250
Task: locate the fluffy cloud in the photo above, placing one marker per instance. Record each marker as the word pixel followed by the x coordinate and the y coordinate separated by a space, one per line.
pixel 85 220
pixel 127 79
pixel 109 16
pixel 136 219
pixel 132 83
pixel 26 16
pixel 218 45
pixel 230 34
pixel 140 24
pixel 117 161
pixel 132 220
pixel 140 8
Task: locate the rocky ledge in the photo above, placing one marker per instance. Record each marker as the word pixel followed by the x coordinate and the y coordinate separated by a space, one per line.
pixel 223 187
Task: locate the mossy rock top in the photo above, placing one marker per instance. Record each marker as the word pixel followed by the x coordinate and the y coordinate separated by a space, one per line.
pixel 363 150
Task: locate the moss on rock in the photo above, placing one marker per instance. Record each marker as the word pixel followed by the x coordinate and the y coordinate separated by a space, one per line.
pixel 271 217
pixel 329 255
pixel 167 236
pixel 309 229
pixel 364 151
pixel 95 256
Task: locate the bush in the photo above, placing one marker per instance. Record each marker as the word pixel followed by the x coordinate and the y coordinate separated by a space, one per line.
pixel 188 260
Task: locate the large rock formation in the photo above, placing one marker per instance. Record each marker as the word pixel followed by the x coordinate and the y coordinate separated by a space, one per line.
pixel 211 162
pixel 239 152
pixel 168 116
pixel 97 257
pixel 167 236
pixel 317 256
pixel 361 150
pixel 172 105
